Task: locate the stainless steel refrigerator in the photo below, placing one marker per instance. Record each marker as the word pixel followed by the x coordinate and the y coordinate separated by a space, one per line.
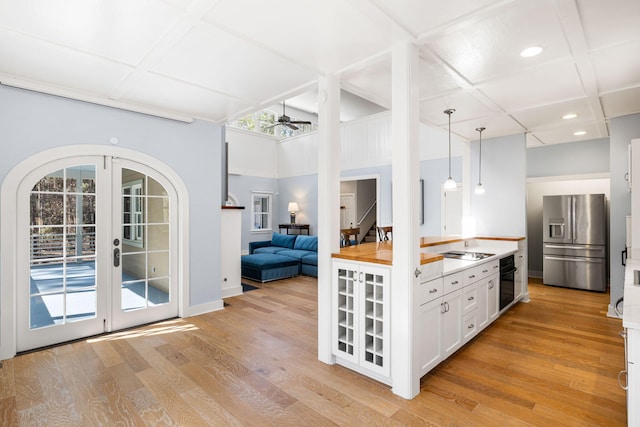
pixel 575 241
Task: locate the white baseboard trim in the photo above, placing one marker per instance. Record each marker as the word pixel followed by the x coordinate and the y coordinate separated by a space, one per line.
pixel 207 307
pixel 231 292
pixel 611 312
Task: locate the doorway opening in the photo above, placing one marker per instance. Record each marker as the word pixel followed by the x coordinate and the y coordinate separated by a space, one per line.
pixel 359 207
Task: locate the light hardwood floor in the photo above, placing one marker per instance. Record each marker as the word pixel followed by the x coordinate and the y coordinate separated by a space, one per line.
pixel 553 361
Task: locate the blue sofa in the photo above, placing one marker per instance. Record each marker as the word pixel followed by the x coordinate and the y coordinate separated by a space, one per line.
pixel 276 256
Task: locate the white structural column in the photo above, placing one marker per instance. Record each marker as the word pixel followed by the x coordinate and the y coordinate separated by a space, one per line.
pixel 406 208
pixel 328 204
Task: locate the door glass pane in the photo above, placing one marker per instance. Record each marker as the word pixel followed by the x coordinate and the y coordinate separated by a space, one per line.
pixel 158 237
pixel 145 245
pixel 134 295
pixel 63 253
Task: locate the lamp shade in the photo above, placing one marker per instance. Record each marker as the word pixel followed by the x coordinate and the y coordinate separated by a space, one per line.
pixel 293 207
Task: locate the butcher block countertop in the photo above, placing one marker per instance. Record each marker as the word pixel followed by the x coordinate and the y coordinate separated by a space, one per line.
pixel 378 253
pixel 441 240
pixel 382 252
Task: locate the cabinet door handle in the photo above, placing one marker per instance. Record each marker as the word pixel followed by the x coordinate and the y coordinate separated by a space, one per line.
pixel 626 379
pixel 455 282
pixel 485 271
pixel 471 326
pixel 446 304
pixel 491 285
pixel 433 291
pixel 472 276
pixel 442 308
pixel 470 299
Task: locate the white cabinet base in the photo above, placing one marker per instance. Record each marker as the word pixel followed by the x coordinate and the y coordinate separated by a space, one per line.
pixel 231 236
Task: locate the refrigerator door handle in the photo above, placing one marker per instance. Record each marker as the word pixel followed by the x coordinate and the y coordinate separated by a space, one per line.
pixel 580 248
pixel 574 228
pixel 557 258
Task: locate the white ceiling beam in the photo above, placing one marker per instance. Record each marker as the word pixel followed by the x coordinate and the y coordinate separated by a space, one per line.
pixel 91 98
pixel 574 33
pixel 184 24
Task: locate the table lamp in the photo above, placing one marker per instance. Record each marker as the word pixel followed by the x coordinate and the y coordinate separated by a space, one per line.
pixel 293 208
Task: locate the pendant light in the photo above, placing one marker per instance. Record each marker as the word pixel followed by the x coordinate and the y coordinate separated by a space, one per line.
pixel 450 183
pixel 479 187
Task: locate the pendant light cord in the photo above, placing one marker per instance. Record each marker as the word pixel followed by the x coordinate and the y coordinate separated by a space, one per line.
pixel 480 156
pixel 449 112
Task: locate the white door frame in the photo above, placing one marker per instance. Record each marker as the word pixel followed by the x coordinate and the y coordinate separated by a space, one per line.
pixel 8 220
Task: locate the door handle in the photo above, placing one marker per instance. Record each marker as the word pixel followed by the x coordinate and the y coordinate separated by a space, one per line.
pixel 116 257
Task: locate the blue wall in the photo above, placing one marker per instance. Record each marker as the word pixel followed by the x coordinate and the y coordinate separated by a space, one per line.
pixel 31 122
pixel 575 158
pixel 502 209
pixel 434 173
pixel 240 187
pixel 304 191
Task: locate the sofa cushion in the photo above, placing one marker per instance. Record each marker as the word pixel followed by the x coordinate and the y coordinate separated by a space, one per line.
pixel 269 250
pixel 310 258
pixel 306 243
pixel 283 240
pixel 267 261
pixel 294 253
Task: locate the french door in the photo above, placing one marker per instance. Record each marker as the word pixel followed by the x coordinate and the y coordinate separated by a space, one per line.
pixel 96 249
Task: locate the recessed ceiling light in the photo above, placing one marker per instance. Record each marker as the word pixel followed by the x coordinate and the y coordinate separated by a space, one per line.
pixel 580 133
pixel 570 116
pixel 531 51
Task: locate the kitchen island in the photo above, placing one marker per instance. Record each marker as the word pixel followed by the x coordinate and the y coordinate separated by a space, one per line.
pixel 453 300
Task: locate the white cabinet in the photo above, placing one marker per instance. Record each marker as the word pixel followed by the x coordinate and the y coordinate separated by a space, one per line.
pixel 633 377
pixel 429 324
pixel 439 323
pixel 451 323
pixel 452 309
pixel 231 235
pixel 361 317
pixel 493 297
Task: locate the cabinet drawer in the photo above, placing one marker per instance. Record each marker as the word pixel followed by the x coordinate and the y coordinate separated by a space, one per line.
pixel 481 271
pixel 472 274
pixel 469 299
pixel 494 267
pixel 428 291
pixel 452 282
pixel 469 325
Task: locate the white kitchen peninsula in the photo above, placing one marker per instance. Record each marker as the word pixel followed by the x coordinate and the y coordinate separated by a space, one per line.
pixel 631 323
pixel 453 301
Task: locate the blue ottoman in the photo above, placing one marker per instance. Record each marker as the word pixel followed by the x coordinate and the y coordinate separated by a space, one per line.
pixel 265 267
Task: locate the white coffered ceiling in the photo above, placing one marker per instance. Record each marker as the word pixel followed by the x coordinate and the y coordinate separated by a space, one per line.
pixel 220 59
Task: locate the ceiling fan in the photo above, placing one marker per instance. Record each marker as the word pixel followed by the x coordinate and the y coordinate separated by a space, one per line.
pixel 286 121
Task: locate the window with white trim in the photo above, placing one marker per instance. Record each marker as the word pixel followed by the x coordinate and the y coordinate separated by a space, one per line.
pixel 133 213
pixel 264 122
pixel 261 210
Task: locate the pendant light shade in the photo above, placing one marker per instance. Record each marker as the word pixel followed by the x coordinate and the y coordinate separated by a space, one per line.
pixel 450 183
pixel 479 187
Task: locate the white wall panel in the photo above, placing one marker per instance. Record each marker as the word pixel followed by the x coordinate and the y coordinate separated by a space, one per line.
pixel 298 156
pixel 366 142
pixel 252 154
